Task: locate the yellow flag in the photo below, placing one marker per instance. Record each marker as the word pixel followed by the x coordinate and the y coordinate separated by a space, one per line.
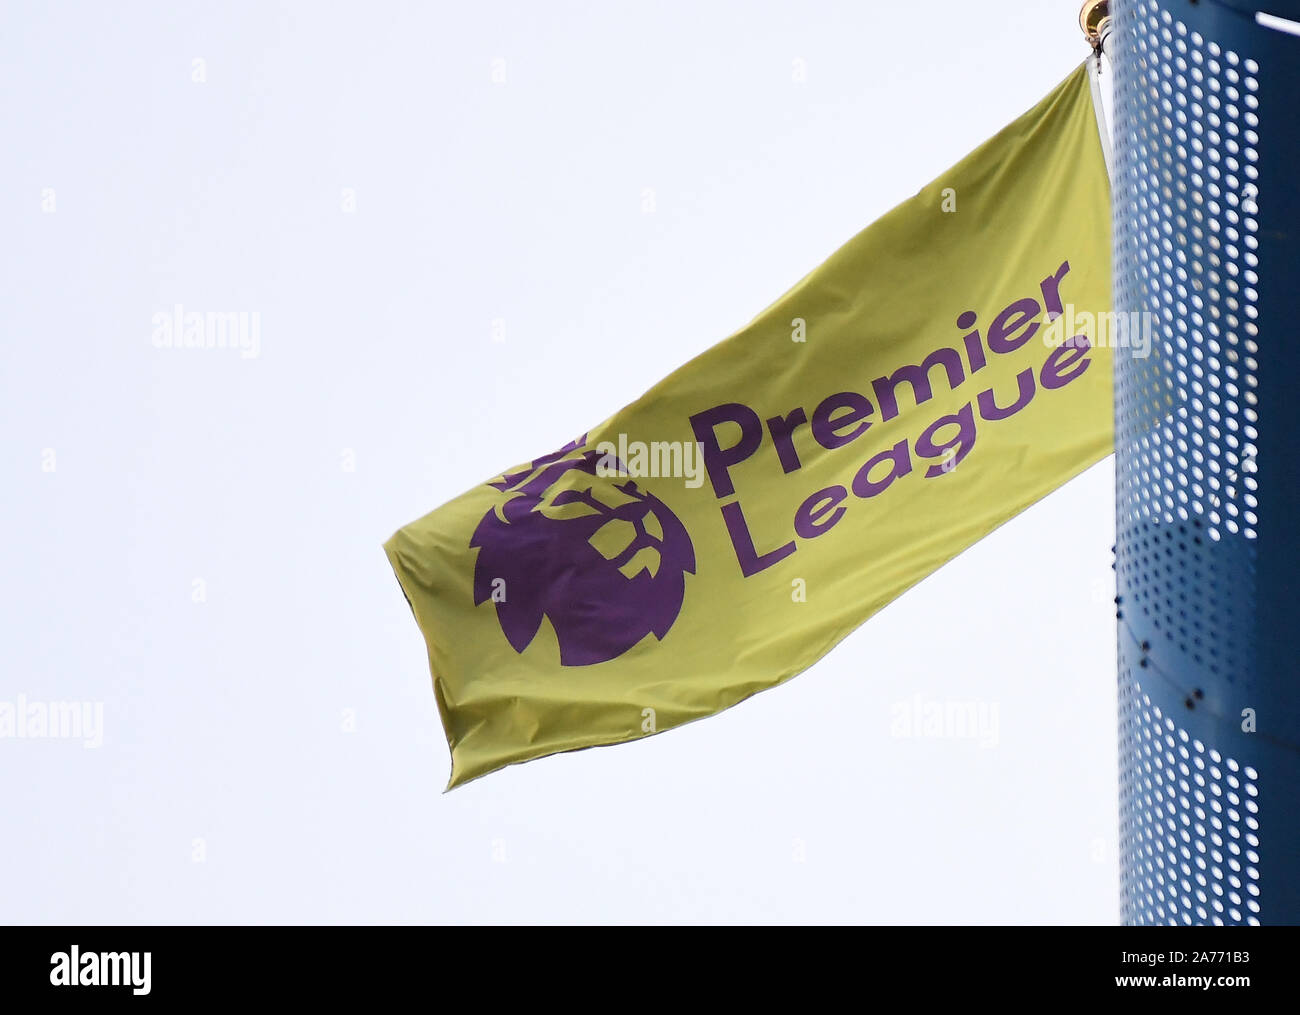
pixel 938 374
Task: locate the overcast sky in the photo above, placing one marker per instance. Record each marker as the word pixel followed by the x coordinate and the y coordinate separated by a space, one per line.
pixel 469 232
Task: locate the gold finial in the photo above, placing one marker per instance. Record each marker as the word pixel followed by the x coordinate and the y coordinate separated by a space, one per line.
pixel 1093 19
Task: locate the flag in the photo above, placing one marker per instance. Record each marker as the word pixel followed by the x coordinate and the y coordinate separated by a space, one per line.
pixel 938 374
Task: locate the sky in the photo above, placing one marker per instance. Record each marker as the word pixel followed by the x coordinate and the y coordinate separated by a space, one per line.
pixel 463 234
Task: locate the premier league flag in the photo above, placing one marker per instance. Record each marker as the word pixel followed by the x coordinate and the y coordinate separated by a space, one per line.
pixel 938 374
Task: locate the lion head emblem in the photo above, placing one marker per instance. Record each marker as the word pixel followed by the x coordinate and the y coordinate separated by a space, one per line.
pixel 578 542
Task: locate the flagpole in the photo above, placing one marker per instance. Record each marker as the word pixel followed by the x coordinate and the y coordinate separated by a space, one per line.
pixel 1094 19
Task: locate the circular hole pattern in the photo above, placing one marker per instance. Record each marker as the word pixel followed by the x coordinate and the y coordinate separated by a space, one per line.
pixel 1185 204
pixel 1189 823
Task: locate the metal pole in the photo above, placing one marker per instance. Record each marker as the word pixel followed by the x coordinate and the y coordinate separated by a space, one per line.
pixel 1206 204
pixel 1094 19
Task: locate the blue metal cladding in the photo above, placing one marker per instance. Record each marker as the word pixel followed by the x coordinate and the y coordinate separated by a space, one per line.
pixel 1206 204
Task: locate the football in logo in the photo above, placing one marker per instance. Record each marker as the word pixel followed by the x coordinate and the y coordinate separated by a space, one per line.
pixel 578 542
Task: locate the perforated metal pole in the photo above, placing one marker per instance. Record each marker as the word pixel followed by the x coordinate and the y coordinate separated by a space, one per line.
pixel 1206 206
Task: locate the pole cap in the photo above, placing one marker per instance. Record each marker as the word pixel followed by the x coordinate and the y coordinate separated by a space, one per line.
pixel 1094 20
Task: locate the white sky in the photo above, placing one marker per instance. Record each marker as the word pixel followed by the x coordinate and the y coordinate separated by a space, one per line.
pixel 226 788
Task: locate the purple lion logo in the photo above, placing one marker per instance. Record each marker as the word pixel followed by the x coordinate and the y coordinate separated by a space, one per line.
pixel 605 561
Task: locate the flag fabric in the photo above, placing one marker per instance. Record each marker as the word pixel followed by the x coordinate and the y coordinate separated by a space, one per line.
pixel 934 377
